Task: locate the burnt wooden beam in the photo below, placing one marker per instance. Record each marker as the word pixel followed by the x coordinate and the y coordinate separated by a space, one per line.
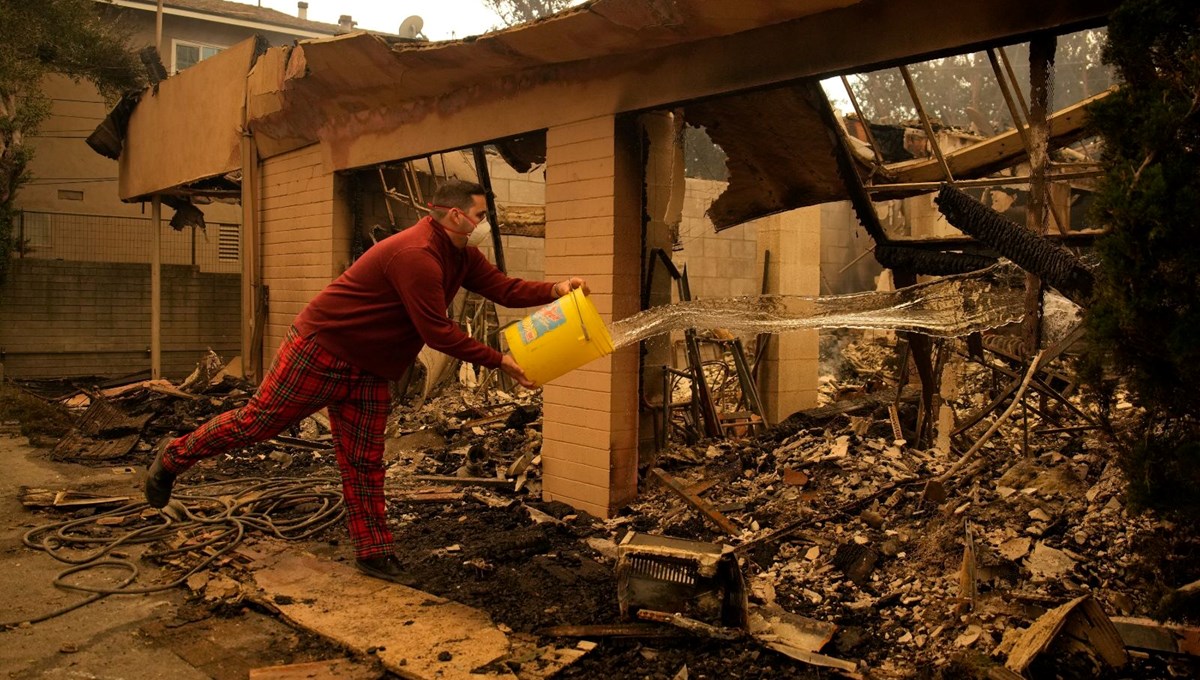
pixel 699 504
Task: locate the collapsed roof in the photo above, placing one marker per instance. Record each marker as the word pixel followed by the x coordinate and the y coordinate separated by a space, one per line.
pixel 734 68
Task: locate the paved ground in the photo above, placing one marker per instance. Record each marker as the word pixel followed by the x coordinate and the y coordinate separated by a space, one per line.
pixel 131 636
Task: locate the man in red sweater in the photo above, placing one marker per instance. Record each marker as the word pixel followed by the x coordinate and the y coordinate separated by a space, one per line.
pixel 363 330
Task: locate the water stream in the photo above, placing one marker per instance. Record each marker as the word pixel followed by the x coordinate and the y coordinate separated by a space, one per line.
pixel 948 307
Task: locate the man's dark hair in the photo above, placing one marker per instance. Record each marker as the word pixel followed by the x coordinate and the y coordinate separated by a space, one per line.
pixel 457 193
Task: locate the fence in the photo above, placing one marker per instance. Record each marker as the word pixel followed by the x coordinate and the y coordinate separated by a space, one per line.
pixel 81 237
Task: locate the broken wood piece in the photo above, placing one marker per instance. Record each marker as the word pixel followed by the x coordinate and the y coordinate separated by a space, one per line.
pixel 315 445
pixel 1142 633
pixel 472 481
pixel 490 500
pixel 772 623
pixel 812 658
pixel 540 517
pixel 691 625
pixel 968 588
pixel 615 630
pixel 45 498
pixel 165 387
pixel 519 465
pixel 334 669
pixel 438 638
pixel 1086 628
pixel 696 502
pixel 701 486
pixel 429 497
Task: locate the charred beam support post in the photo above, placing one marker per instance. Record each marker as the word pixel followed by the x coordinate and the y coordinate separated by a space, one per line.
pixel 1041 65
pixel 1053 263
pixel 485 179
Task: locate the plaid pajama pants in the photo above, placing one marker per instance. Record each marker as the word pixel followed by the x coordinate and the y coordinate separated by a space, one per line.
pixel 304 379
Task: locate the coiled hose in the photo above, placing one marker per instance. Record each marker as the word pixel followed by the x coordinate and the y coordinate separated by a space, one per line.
pixel 287 508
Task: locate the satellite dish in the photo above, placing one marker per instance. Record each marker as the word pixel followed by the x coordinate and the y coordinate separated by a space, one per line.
pixel 411 28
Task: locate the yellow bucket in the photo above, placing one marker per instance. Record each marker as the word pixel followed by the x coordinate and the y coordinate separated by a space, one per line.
pixel 558 338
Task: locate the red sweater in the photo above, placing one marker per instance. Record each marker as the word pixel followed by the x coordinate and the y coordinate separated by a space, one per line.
pixel 393 300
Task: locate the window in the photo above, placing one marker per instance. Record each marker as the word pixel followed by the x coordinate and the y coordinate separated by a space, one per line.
pixel 229 238
pixel 70 195
pixel 189 53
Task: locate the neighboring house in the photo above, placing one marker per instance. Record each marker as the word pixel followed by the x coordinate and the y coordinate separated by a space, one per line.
pixel 77 301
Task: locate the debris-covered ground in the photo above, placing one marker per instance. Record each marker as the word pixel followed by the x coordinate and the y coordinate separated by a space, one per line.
pixel 923 567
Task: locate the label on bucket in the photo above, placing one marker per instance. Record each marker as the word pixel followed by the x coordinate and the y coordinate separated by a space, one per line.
pixel 542 322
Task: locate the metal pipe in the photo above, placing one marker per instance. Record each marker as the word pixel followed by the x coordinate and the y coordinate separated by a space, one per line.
pixel 1023 131
pixel 982 182
pixel 937 149
pixel 156 288
pixel 862 120
pixel 1012 76
pixel 481 170
pixel 1008 100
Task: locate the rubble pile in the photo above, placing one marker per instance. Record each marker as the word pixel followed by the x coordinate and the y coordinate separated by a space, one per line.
pixel 842 521
pixel 893 560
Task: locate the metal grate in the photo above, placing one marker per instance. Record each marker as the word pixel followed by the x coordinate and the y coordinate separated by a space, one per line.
pixel 229 238
pixel 664 569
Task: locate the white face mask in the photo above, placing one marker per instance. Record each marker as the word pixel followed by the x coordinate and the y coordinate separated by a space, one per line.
pixel 482 234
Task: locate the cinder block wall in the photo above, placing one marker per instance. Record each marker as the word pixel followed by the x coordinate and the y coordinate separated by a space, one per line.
pixel 593 229
pixel 720 265
pixel 93 318
pixel 844 268
pixel 523 255
pixel 788 377
pixel 305 227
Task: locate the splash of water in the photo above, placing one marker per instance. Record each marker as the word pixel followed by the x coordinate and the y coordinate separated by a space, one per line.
pixel 948 307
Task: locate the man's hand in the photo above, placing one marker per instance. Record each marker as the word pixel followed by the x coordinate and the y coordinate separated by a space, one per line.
pixel 514 370
pixel 563 287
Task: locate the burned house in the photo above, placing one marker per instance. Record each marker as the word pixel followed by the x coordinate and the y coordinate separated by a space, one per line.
pixel 331 138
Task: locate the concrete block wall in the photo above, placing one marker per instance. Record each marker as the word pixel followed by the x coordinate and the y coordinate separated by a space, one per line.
pixel 843 241
pixel 66 318
pixel 523 255
pixel 593 229
pixel 720 265
pixel 788 376
pixel 305 230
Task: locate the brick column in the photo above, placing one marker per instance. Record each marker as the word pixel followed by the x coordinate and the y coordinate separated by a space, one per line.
pixel 788 376
pixel 305 224
pixel 664 180
pixel 593 229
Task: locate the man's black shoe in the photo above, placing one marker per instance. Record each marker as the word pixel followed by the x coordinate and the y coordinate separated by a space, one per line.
pixel 158 481
pixel 386 567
